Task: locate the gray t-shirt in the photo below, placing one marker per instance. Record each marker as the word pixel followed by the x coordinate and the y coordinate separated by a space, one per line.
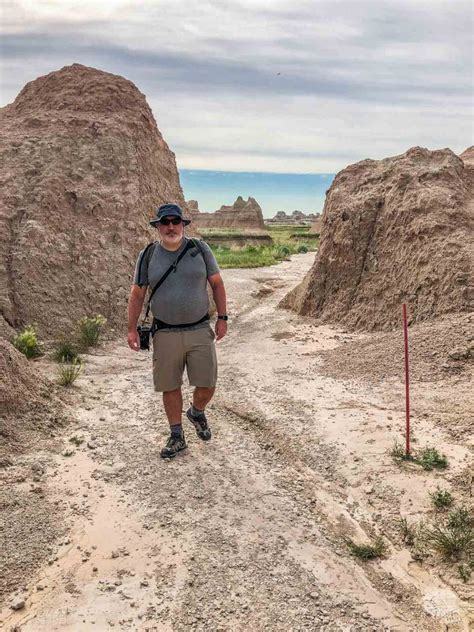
pixel 182 298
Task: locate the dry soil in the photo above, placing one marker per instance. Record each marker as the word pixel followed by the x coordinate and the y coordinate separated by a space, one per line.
pixel 248 531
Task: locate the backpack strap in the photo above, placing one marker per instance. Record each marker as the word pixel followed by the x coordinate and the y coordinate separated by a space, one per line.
pixel 197 243
pixel 145 259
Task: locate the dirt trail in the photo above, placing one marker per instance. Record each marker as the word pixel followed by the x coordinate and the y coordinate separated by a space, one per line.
pixel 246 532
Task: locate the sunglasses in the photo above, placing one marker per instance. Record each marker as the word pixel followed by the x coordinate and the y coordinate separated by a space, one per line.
pixel 166 222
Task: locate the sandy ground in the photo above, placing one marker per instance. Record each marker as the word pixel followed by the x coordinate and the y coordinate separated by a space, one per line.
pixel 248 531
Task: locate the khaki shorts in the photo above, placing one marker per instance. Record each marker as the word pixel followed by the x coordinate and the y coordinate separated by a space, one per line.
pixel 194 349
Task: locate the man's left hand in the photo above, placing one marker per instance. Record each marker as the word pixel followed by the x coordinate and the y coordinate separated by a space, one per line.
pixel 221 329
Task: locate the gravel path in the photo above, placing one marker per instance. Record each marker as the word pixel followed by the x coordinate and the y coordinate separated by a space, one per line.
pixel 247 532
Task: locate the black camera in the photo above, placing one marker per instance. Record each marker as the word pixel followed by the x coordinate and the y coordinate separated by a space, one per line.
pixel 144 331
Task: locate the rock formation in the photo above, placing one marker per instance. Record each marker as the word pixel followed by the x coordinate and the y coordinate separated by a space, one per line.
pixel 29 410
pixel 297 218
pixel 193 206
pixel 82 168
pixel 316 226
pixel 393 231
pixel 242 215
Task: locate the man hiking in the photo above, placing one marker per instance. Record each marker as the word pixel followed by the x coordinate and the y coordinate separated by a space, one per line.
pixel 182 336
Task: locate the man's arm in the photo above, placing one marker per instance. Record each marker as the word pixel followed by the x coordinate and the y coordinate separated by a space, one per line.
pixel 135 305
pixel 218 292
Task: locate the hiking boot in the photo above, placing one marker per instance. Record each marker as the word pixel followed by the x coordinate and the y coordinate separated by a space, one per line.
pixel 173 446
pixel 200 424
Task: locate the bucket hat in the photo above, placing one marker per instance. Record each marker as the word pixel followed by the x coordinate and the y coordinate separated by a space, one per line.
pixel 169 209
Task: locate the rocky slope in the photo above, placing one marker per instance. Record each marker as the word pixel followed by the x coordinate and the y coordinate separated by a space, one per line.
pixel 394 230
pixel 83 165
pixel 242 214
pixel 30 409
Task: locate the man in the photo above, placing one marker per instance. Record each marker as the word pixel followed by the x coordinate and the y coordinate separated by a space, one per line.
pixel 183 335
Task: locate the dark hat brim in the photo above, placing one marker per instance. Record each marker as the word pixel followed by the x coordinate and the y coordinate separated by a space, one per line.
pixel 154 222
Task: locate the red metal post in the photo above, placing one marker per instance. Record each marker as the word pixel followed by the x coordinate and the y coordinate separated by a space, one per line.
pixel 407 383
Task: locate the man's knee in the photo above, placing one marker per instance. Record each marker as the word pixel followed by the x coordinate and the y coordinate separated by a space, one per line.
pixel 208 390
pixel 173 393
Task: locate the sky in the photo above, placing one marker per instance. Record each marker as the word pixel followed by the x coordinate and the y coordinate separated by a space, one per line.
pixel 301 192
pixel 265 86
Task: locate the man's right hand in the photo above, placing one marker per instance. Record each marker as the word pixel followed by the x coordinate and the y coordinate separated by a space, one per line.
pixel 133 340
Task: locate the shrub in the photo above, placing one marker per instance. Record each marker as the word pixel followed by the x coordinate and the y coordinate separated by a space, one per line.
pixel 89 330
pixel 69 372
pixel 283 251
pixel 76 440
pixel 430 458
pixel 453 539
pixel 461 518
pixel 27 342
pixel 66 351
pixel 302 249
pixel 398 452
pixel 441 499
pixel 368 550
pixel 464 571
pixel 407 531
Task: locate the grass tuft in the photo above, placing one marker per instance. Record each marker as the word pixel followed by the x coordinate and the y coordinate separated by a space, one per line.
pixel 461 518
pixel 453 539
pixel 431 459
pixel 77 441
pixel 90 328
pixel 27 342
pixel 368 550
pixel 428 458
pixel 66 351
pixel 465 572
pixel 441 499
pixel 407 531
pixel 397 451
pixel 69 372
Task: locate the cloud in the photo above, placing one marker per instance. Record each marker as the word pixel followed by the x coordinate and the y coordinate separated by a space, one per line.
pixel 294 84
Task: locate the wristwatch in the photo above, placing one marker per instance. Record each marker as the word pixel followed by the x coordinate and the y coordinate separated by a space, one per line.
pixel 223 317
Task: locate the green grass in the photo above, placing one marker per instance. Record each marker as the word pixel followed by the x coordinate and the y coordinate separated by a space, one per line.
pixel 367 550
pixel 68 373
pixel 429 458
pixel 452 539
pixel 295 230
pixel 65 351
pixel 293 236
pixel 465 571
pixel 251 256
pixel 441 499
pixel 231 232
pixel 90 328
pixel 27 342
pixel 397 451
pixel 76 440
pixel 407 532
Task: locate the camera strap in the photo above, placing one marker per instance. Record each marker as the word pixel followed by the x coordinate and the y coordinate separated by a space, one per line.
pixel 189 244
